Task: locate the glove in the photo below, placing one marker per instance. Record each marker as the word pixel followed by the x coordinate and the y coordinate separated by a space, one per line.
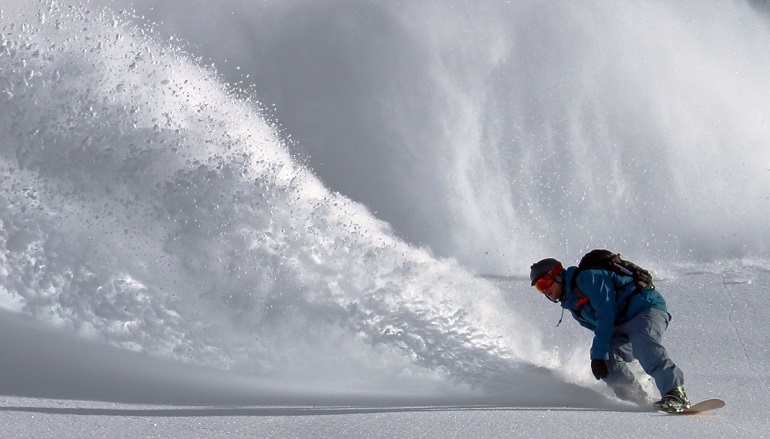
pixel 600 369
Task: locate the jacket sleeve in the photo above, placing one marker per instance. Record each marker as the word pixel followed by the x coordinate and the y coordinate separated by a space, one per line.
pixel 598 286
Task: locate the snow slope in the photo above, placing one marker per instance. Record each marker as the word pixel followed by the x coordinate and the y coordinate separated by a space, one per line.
pixel 323 228
pixel 717 336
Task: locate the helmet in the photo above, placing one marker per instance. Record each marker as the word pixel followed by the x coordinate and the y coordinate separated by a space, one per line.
pixel 541 268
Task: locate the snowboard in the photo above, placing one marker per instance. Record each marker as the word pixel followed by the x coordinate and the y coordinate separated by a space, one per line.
pixel 703 406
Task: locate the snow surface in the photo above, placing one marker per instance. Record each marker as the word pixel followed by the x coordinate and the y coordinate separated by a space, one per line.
pixel 717 336
pixel 180 260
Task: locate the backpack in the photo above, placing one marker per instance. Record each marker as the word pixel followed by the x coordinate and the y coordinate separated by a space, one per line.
pixel 601 259
pixel 606 260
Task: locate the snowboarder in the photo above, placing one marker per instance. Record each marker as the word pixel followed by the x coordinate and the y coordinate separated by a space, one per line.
pixel 628 323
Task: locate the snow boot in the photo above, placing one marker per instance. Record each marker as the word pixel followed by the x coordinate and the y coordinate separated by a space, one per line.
pixel 674 401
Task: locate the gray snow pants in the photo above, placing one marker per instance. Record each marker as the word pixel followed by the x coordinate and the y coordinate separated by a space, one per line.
pixel 640 339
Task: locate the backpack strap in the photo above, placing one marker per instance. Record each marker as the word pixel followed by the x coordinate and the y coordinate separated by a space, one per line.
pixel 582 298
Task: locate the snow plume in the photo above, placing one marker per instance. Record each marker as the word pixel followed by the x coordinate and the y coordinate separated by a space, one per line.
pixel 145 205
pixel 498 132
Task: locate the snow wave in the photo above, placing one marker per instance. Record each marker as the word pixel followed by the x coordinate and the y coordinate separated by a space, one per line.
pixel 144 204
pixel 500 132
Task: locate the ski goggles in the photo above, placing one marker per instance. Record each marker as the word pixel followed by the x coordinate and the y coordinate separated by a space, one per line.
pixel 544 282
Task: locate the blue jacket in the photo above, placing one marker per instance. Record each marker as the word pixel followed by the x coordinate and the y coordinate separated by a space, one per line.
pixel 605 307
